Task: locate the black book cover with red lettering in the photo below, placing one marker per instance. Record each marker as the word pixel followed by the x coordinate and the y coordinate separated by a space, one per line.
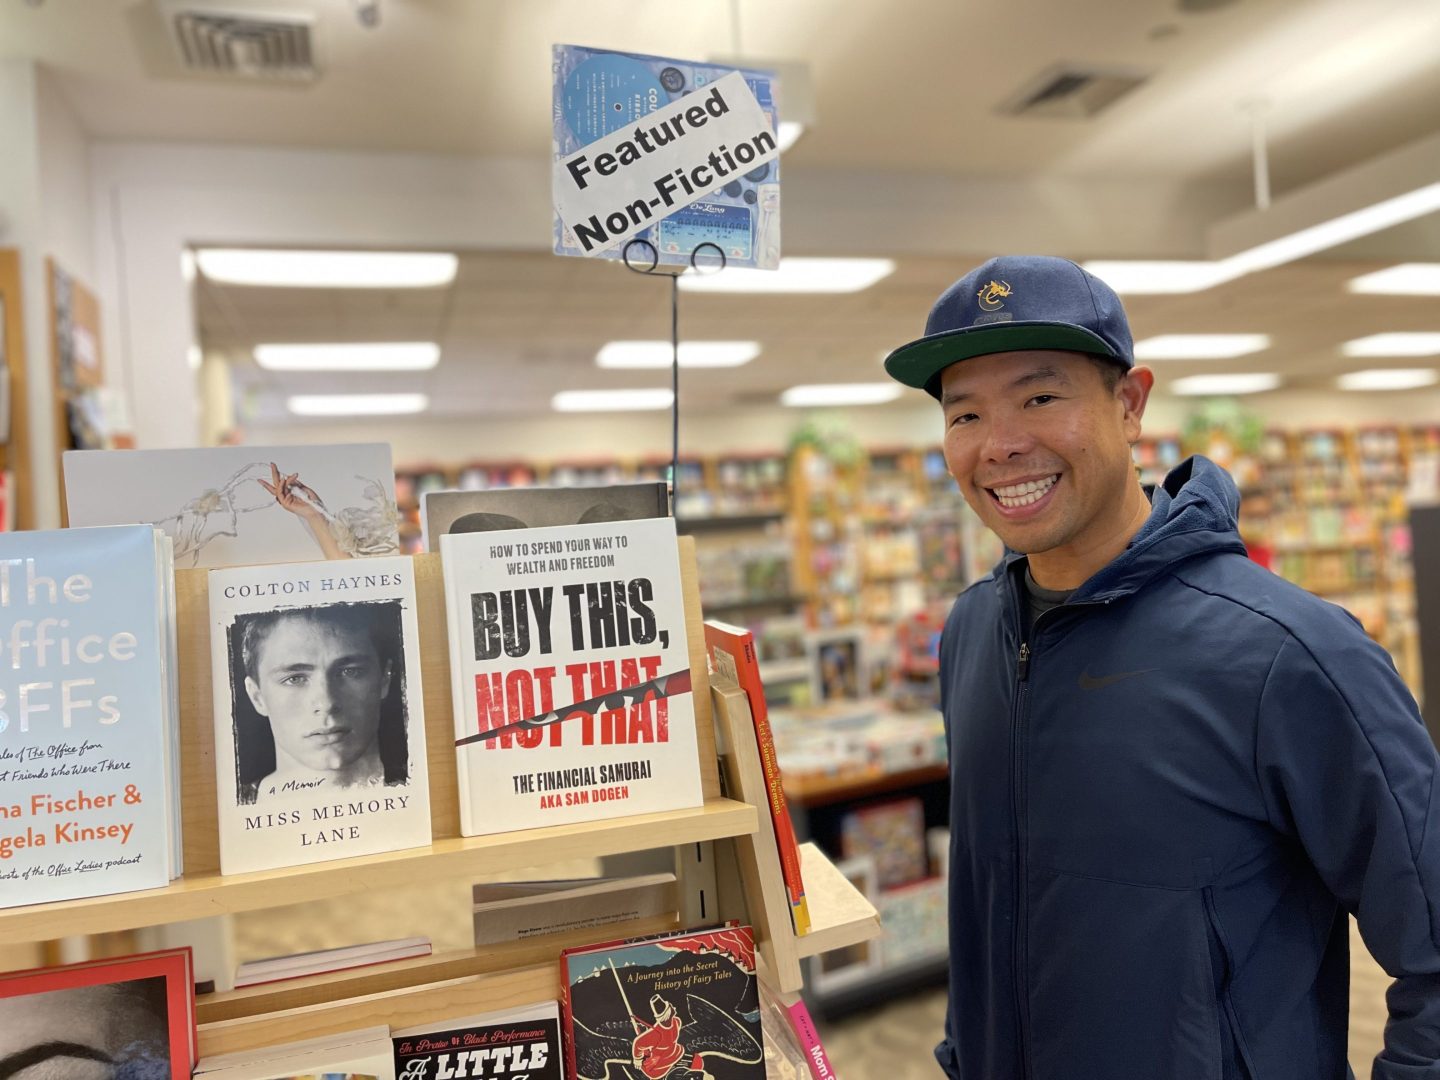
pixel 519 1044
pixel 681 1007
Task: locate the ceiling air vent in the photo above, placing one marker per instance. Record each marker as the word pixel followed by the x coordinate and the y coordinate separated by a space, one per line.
pixel 242 44
pixel 1072 92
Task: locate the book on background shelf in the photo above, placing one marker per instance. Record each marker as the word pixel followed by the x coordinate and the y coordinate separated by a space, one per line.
pixel 570 672
pixel 514 1044
pixel 893 834
pixel 498 509
pixel 241 505
pixel 319 712
pixel 914 918
pixel 733 657
pixel 364 1054
pixel 131 1017
pixel 299 965
pixel 654 1005
pixel 513 911
pixel 89 747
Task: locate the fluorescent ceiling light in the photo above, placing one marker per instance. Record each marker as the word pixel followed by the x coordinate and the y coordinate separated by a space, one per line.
pixel 1340 230
pixel 1209 385
pixel 1407 279
pixel 328 269
pixel 795 275
pixel 1155 276
pixel 611 400
pixel 356 404
pixel 788 133
pixel 195 357
pixel 1427 344
pixel 1200 346
pixel 350 356
pixel 822 394
pixel 1389 379
pixel 693 354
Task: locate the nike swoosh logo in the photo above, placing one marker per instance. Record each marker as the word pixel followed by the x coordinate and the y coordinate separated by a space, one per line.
pixel 1091 682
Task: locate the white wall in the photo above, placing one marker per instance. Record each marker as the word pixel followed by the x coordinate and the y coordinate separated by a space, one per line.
pixel 44 211
pixel 67 232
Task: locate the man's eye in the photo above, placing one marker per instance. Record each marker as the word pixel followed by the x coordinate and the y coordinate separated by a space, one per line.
pixel 353 671
pixel 963 418
pixel 294 680
pixel 1042 399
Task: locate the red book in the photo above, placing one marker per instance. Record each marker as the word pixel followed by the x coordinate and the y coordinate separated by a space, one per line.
pixel 732 654
pixel 135 1014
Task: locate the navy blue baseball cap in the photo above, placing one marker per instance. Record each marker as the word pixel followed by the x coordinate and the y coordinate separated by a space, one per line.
pixel 1014 303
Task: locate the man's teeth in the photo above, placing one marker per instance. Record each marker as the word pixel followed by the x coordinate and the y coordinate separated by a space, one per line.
pixel 1018 495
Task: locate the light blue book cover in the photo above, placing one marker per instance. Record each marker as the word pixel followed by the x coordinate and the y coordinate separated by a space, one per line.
pixel 85 785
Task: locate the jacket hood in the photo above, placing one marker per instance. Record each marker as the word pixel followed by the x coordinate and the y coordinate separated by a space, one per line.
pixel 1196 511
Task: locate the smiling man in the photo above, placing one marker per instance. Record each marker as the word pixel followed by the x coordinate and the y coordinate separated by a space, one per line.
pixel 1173 773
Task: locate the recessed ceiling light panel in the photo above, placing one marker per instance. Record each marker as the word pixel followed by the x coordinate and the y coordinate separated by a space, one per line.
pixel 356 404
pixel 1388 379
pixel 350 356
pixel 327 269
pixel 1144 277
pixel 1407 279
pixel 1397 344
pixel 794 275
pixel 1200 346
pixel 826 394
pixel 693 354
pixel 1254 382
pixel 611 400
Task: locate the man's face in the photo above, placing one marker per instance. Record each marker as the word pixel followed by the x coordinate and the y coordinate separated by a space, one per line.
pixel 321 686
pixel 1039 446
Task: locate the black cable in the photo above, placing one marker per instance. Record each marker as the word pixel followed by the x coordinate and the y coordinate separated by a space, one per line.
pixel 674 393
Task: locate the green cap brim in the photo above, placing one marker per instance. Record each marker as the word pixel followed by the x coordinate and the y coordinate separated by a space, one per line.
pixel 919 363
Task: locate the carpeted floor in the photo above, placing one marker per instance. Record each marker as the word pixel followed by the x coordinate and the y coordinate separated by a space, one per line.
pixel 894 1041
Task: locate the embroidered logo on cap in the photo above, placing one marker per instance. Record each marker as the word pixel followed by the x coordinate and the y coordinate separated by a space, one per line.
pixel 992 296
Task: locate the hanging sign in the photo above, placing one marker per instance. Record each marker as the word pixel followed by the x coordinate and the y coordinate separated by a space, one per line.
pixel 673 153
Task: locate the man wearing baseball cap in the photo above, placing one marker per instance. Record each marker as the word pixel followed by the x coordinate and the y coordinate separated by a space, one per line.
pixel 1172 772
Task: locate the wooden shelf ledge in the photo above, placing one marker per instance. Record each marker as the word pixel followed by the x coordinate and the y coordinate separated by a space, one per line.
pixel 475 857
pixel 417 972
pixel 840 916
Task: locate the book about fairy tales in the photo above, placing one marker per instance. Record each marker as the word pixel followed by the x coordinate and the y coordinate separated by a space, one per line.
pixel 571 674
pixel 84 743
pixel 683 1007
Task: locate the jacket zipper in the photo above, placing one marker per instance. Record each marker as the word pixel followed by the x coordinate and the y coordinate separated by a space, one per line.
pixel 1017 812
pixel 1017 944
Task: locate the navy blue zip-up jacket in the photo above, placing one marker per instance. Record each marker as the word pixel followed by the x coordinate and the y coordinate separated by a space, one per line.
pixel 1163 805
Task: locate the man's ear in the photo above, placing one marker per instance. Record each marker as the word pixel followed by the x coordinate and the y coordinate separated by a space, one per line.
pixel 385 682
pixel 252 691
pixel 1133 393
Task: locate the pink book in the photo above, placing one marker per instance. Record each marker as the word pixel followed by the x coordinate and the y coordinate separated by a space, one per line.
pixel 809 1040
